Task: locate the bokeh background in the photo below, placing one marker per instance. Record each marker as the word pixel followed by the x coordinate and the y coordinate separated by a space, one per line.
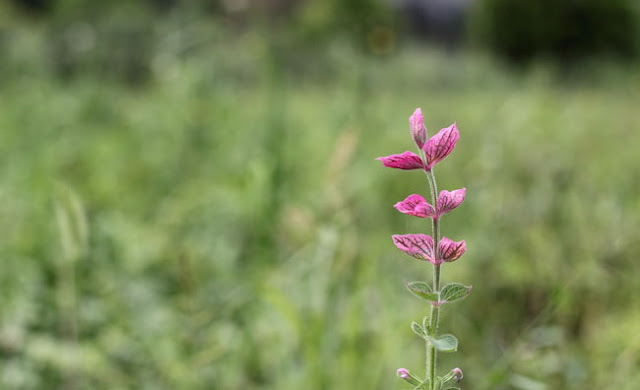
pixel 189 197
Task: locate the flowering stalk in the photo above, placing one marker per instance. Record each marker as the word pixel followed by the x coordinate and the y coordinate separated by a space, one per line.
pixel 434 249
pixel 435 309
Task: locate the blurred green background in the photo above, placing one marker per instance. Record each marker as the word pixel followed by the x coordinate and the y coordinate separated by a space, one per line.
pixel 189 197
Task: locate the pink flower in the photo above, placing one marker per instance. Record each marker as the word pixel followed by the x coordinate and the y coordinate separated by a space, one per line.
pixel 418 131
pixel 449 250
pixel 457 374
pixel 449 200
pixel 406 160
pixel 440 145
pixel 417 206
pixel 419 246
pixel 403 373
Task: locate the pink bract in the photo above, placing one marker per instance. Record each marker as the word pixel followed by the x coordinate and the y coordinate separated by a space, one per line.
pixel 449 200
pixel 417 206
pixel 406 160
pixel 449 250
pixel 440 145
pixel 418 131
pixel 419 246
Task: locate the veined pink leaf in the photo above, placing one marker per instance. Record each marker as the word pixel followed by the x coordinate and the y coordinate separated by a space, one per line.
pixel 440 145
pixel 418 131
pixel 415 205
pixel 449 250
pixel 406 160
pixel 419 246
pixel 449 200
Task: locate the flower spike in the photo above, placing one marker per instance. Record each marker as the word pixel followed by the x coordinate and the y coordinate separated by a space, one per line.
pixel 419 246
pixel 417 206
pixel 449 200
pixel 449 250
pixel 440 145
pixel 406 160
pixel 418 130
pixel 434 248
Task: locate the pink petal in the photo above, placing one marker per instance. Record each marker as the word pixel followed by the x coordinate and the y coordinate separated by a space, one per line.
pixel 418 131
pixel 406 160
pixel 449 200
pixel 415 205
pixel 440 145
pixel 449 250
pixel 419 246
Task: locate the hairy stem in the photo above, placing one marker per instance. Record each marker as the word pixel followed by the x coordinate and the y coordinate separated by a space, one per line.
pixel 435 310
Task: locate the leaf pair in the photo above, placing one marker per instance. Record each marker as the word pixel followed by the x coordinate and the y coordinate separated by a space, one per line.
pixel 449 293
pixel 444 343
pixel 421 247
pixel 418 206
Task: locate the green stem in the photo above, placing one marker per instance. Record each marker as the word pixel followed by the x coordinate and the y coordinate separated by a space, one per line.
pixel 435 310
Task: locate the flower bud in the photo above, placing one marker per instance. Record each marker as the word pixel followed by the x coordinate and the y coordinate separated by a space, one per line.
pixel 457 374
pixel 418 131
pixel 403 373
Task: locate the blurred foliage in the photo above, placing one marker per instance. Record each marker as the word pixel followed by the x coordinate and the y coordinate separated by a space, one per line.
pixel 560 29
pixel 120 40
pixel 212 216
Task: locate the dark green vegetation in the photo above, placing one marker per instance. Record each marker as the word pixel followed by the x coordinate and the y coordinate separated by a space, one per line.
pixel 224 224
pixel 560 29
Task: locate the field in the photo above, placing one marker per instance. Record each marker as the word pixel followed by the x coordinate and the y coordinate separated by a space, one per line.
pixel 224 224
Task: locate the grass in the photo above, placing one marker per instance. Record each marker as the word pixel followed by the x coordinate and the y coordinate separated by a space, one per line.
pixel 238 227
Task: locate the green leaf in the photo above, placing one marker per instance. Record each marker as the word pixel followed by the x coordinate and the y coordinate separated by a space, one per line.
pixel 453 292
pixel 422 290
pixel 445 343
pixel 425 326
pixel 419 330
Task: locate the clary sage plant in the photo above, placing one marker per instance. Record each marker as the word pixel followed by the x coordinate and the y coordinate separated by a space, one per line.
pixel 433 248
